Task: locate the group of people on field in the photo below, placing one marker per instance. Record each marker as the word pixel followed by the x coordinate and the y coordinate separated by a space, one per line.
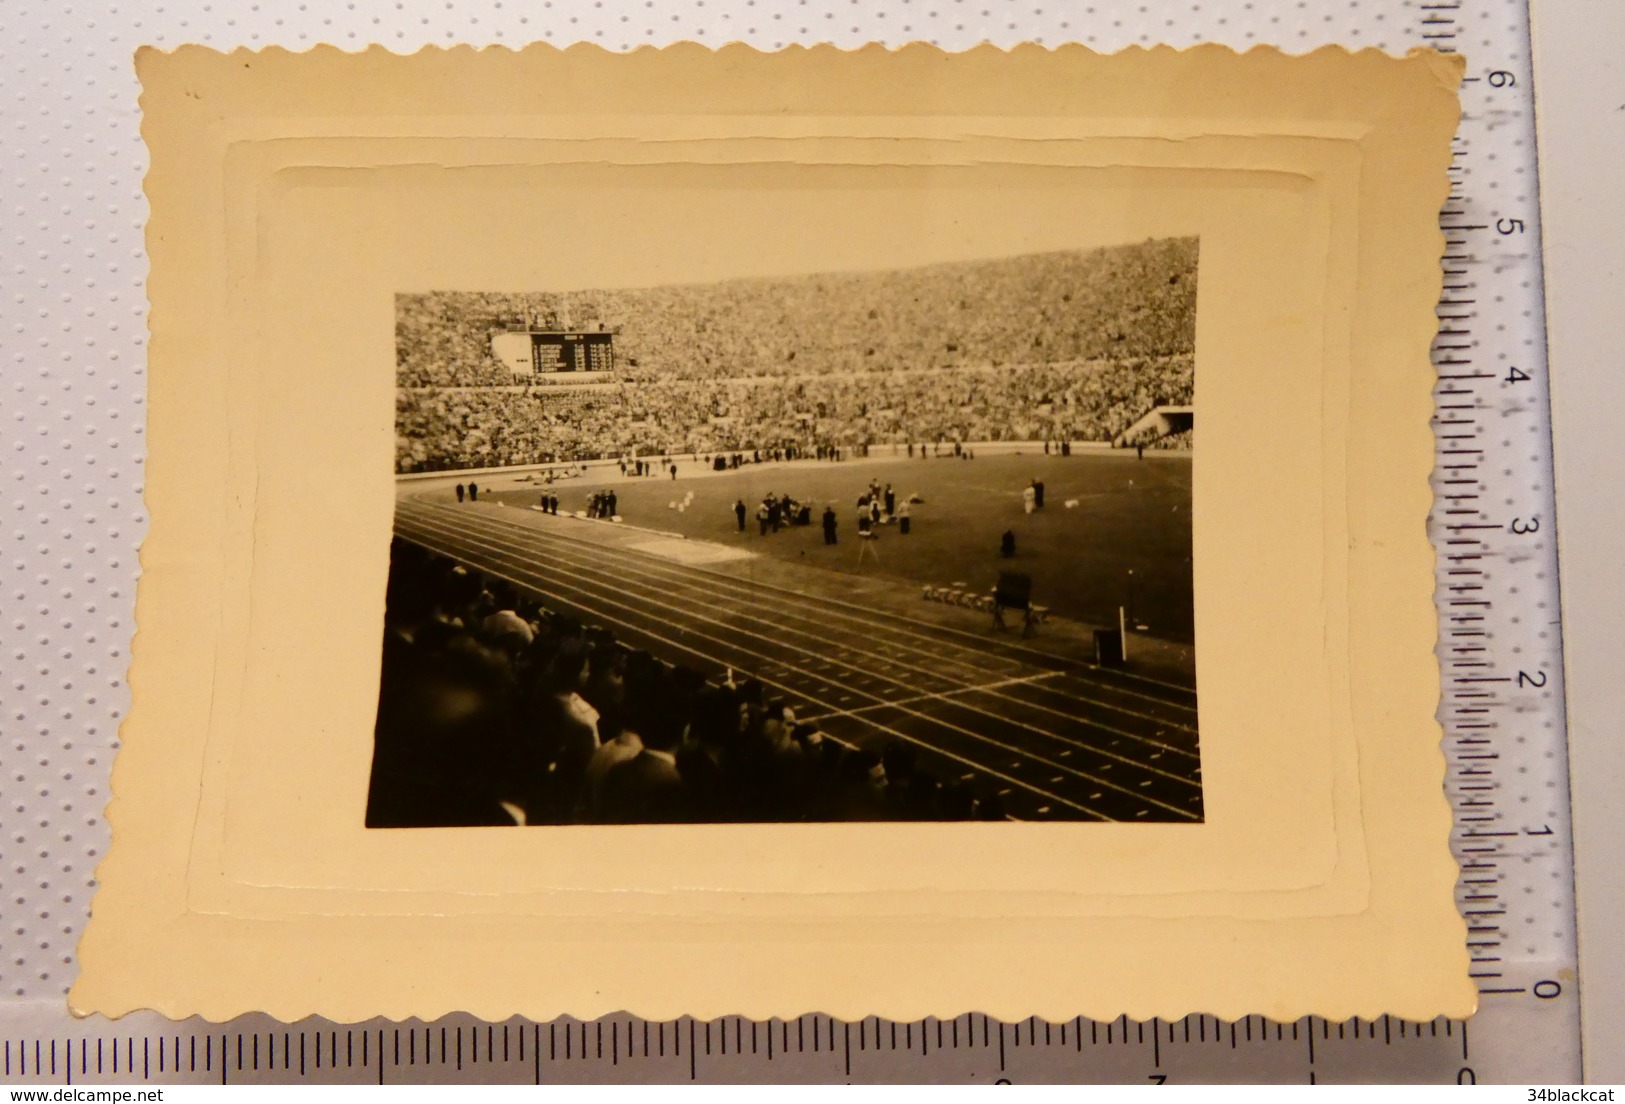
pixel 877 506
pixel 773 513
pixel 1032 496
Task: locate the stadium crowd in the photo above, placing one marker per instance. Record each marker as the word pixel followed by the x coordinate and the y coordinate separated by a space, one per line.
pixel 495 711
pixel 441 429
pixel 1070 345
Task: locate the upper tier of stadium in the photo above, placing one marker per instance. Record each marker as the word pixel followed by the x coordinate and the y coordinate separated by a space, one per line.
pixel 1050 346
pixel 1113 303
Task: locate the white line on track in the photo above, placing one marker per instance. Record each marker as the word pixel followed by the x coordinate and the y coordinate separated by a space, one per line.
pixel 1037 758
pixel 1024 680
pixel 928 632
pixel 976 657
pixel 624 586
pixel 504 537
pixel 539 587
pixel 505 533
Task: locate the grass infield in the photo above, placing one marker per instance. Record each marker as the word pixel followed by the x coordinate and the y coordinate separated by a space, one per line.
pixel 1114 530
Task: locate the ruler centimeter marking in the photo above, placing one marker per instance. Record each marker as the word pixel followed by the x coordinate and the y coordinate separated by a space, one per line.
pixel 1502 714
pixel 1493 524
pixel 970 1048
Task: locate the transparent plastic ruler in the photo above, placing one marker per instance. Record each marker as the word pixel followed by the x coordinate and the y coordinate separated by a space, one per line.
pixel 1501 662
pixel 1494 526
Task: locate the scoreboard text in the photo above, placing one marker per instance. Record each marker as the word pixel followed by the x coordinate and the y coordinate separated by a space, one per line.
pixel 572 352
pixel 554 352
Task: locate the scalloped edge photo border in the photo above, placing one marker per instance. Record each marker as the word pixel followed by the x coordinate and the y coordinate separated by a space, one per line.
pixel 187 919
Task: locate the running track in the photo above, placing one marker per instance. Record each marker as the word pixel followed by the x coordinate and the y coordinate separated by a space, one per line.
pixel 1059 740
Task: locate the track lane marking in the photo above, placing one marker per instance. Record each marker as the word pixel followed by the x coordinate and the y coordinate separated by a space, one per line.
pixel 1041 659
pixel 537 586
pixel 937 721
pixel 842 651
pixel 554 542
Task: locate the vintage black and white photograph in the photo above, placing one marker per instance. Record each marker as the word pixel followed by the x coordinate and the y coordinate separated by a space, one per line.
pixel 905 543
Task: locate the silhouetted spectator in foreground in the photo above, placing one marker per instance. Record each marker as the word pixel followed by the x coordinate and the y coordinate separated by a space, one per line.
pixel 861 786
pixel 956 801
pixel 646 788
pixel 440 753
pixel 621 744
pixel 494 710
pixel 911 794
pixel 562 739
pixel 718 720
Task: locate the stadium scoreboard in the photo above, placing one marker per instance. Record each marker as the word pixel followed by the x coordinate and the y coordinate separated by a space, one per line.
pixel 555 352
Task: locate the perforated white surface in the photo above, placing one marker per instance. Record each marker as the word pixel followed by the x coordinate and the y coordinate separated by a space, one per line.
pixel 73 310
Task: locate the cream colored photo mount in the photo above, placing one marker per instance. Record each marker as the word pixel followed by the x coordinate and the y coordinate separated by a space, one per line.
pixel 294 195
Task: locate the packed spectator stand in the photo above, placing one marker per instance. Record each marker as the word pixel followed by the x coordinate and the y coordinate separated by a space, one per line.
pixel 495 710
pixel 1054 346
